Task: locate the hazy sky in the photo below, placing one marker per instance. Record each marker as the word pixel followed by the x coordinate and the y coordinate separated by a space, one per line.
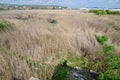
pixel 69 3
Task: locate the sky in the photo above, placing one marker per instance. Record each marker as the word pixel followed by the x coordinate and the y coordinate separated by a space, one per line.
pixel 69 3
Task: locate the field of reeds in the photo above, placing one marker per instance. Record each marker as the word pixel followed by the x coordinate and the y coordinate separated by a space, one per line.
pixel 34 42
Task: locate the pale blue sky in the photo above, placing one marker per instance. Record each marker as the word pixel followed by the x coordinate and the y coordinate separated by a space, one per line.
pixel 69 3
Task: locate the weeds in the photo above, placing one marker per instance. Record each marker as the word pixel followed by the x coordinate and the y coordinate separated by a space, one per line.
pixel 109 62
pixel 78 61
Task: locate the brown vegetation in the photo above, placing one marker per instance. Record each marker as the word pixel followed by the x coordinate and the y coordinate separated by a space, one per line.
pixel 36 46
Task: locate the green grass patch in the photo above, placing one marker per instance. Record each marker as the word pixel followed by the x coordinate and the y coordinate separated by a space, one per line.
pixel 76 62
pixel 5 25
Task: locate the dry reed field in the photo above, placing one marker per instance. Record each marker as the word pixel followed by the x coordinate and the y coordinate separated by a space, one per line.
pixel 40 39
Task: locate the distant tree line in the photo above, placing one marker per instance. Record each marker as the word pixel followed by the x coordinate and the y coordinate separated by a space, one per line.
pixel 24 7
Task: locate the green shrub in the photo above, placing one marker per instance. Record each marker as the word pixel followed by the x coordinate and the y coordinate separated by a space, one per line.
pixel 5 25
pixel 1 8
pixel 109 61
pixel 102 39
pixel 102 12
pixel 61 71
pixel 97 12
pixel 52 21
pixel 107 11
pixel 61 74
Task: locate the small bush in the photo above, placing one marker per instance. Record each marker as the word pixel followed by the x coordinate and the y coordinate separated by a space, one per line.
pixel 61 74
pixel 5 25
pixel 52 21
pixel 102 39
pixel 1 8
pixel 61 71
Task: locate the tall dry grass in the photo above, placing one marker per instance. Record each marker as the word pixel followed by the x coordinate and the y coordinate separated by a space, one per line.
pixel 35 46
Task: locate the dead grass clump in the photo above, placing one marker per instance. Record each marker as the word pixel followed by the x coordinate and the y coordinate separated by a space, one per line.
pixel 52 21
pixel 24 17
pixel 5 72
